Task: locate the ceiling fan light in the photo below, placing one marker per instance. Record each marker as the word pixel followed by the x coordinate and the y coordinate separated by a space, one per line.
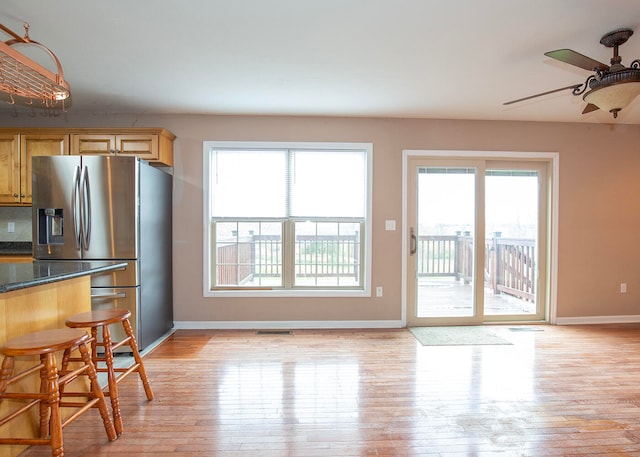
pixel 613 98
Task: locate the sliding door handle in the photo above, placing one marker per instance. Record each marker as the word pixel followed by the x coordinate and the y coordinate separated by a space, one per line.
pixel 413 242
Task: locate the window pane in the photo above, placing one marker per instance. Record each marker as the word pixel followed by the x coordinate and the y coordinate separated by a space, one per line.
pixel 445 251
pixel 327 254
pixel 328 184
pixel 511 209
pixel 249 183
pixel 249 254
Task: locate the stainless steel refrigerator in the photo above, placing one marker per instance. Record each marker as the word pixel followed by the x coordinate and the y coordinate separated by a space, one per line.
pixel 110 208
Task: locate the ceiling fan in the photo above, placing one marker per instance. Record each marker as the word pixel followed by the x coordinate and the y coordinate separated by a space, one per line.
pixel 610 88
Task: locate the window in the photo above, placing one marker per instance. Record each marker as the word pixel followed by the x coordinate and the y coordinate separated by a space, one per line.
pixel 287 218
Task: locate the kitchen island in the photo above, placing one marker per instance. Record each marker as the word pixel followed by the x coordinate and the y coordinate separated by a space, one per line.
pixel 16 276
pixel 38 296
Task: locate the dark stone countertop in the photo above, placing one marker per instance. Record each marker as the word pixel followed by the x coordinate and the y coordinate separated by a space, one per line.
pixel 15 276
pixel 15 248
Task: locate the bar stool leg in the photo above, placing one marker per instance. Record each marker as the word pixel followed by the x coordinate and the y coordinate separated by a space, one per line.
pixel 136 356
pixel 97 392
pixel 111 379
pixel 49 378
pixel 94 344
pixel 5 372
pixel 44 407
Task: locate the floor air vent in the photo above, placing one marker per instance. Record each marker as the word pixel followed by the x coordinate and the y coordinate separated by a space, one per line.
pixel 274 332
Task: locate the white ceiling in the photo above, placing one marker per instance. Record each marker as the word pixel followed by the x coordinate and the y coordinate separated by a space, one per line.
pixel 455 59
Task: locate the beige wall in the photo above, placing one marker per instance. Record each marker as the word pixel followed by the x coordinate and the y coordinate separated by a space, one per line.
pixel 599 223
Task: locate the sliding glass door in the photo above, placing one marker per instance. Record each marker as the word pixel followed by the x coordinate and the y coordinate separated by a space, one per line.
pixel 477 241
pixel 513 254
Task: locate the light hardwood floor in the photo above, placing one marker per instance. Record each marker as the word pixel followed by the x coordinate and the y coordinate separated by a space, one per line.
pixel 562 391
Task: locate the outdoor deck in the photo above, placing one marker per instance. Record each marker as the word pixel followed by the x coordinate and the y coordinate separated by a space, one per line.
pixel 445 266
pixel 447 297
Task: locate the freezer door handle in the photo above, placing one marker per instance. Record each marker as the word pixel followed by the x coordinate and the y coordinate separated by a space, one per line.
pixel 75 202
pixel 112 295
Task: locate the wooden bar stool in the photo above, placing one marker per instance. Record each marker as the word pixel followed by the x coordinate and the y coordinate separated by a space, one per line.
pixel 45 344
pixel 104 363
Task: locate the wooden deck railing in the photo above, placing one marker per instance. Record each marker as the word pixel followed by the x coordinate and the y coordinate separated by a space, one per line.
pixel 512 268
pixel 509 262
pixel 234 262
pixel 261 256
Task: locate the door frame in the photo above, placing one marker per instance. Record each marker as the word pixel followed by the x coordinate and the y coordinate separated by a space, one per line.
pixel 552 158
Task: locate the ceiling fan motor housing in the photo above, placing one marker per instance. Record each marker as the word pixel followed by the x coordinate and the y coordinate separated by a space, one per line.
pixel 611 78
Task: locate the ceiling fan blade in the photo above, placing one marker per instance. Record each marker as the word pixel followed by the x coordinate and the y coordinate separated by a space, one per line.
pixel 574 86
pixel 575 58
pixel 590 107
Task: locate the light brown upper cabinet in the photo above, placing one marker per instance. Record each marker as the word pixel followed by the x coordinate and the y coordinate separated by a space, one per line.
pixel 9 168
pixel 154 147
pixel 19 145
pixel 16 152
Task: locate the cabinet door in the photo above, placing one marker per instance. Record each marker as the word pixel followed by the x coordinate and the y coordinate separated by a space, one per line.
pixel 93 144
pixel 38 145
pixel 9 169
pixel 139 145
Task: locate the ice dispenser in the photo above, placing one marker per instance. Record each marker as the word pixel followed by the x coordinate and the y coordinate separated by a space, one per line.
pixel 50 226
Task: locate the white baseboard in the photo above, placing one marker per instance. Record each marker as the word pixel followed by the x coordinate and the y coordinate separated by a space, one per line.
pixel 250 325
pixel 598 320
pixel 271 325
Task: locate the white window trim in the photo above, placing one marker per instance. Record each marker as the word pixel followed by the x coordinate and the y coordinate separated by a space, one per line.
pixel 206 241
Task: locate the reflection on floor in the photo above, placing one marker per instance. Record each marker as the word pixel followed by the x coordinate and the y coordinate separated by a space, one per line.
pixel 562 391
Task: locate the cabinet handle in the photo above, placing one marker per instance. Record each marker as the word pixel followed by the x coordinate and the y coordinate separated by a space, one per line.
pixel 112 151
pixel 15 195
pixel 21 195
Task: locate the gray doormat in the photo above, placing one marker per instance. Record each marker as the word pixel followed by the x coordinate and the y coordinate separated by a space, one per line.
pixel 457 335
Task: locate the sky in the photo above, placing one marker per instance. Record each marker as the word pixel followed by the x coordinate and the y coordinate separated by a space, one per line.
pixel 447 203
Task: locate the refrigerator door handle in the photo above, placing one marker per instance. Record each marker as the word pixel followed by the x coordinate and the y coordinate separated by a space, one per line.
pixel 75 201
pixel 86 208
pixel 113 295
